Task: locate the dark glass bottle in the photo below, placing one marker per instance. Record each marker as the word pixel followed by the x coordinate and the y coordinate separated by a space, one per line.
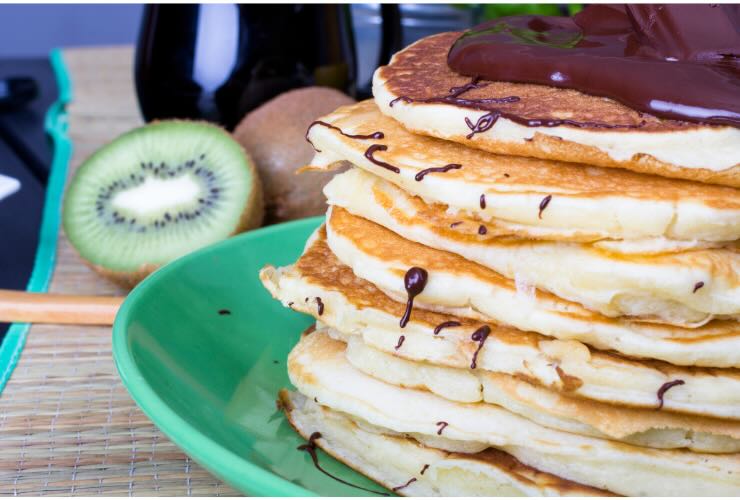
pixel 217 62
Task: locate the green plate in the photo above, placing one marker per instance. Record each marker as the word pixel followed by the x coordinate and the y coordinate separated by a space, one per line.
pixel 208 379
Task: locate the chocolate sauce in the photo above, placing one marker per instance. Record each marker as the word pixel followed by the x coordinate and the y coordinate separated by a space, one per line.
pixel 482 201
pixel 664 388
pixel 453 97
pixel 310 448
pixel 320 305
pixel 414 281
pixel 543 204
pixel 480 336
pixel 446 324
pixel 224 312
pixel 446 168
pixel 456 223
pixel 482 230
pixel 400 342
pixel 442 426
pixel 506 175
pixel 698 285
pixel 413 479
pixel 424 469
pixel 380 147
pixel 679 62
pixel 374 135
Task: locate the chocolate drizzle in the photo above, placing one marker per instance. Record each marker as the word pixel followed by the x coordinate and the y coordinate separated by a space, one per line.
pixel 450 166
pixel 310 448
pixel 441 425
pixel 320 305
pixel 374 135
pixel 414 281
pixel 453 97
pixel 543 204
pixel 480 336
pixel 380 147
pixel 424 469
pixel 664 388
pixel 698 285
pixel 482 201
pixel 456 223
pixel 446 324
pixel 673 61
pixel 413 479
pixel 224 312
pixel 400 342
pixel 482 230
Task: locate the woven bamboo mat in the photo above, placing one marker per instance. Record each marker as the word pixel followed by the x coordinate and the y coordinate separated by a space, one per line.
pixel 67 425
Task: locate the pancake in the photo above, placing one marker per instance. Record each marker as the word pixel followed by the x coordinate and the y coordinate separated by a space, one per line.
pixel 587 203
pixel 644 143
pixel 318 368
pixel 355 307
pixel 639 427
pixel 460 287
pixel 686 288
pixel 393 460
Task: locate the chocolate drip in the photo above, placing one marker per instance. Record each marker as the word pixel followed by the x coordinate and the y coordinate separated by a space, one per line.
pixel 698 285
pixel 482 201
pixel 413 479
pixel 310 448
pixel 664 388
pixel 414 281
pixel 442 426
pixel 380 147
pixel 480 336
pixel 450 166
pixel 543 204
pixel 424 469
pixel 455 224
pixel 400 342
pixel 446 324
pixel 224 312
pixel 320 305
pixel 482 230
pixel 677 62
pixel 374 135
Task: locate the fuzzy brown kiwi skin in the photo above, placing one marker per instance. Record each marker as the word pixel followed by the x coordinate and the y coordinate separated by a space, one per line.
pixel 251 218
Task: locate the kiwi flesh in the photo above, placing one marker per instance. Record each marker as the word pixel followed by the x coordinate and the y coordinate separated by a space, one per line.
pixel 159 192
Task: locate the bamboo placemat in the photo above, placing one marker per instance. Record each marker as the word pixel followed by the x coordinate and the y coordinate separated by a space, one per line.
pixel 67 425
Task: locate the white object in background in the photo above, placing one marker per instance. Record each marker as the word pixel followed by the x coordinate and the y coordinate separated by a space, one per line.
pixel 8 186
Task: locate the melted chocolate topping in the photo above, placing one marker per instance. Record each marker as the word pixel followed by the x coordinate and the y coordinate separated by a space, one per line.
pixel 453 97
pixel 483 201
pixel 224 312
pixel 380 147
pixel 424 469
pixel 442 426
pixel 400 342
pixel 413 479
pixel 446 324
pixel 414 281
pixel 679 62
pixel 451 166
pixel 374 135
pixel 482 230
pixel 320 305
pixel 480 336
pixel 310 448
pixel 664 388
pixel 543 204
pixel 698 285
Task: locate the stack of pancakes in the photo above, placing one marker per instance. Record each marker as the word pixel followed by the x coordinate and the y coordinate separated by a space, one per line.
pixel 506 309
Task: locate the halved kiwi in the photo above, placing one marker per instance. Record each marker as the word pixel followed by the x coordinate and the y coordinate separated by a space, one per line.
pixel 158 192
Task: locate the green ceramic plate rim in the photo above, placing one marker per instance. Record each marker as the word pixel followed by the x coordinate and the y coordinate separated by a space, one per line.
pixel 236 470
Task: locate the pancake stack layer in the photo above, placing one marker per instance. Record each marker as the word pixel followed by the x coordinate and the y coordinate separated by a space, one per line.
pixel 512 310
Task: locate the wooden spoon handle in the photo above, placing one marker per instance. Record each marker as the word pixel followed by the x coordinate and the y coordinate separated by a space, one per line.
pixel 26 307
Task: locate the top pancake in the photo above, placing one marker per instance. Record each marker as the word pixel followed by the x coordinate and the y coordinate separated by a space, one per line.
pixel 588 203
pixel 639 142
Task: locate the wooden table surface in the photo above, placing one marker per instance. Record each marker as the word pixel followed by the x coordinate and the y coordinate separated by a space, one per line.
pixel 67 424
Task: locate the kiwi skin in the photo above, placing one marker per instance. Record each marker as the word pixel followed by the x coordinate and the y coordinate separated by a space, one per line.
pixel 251 218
